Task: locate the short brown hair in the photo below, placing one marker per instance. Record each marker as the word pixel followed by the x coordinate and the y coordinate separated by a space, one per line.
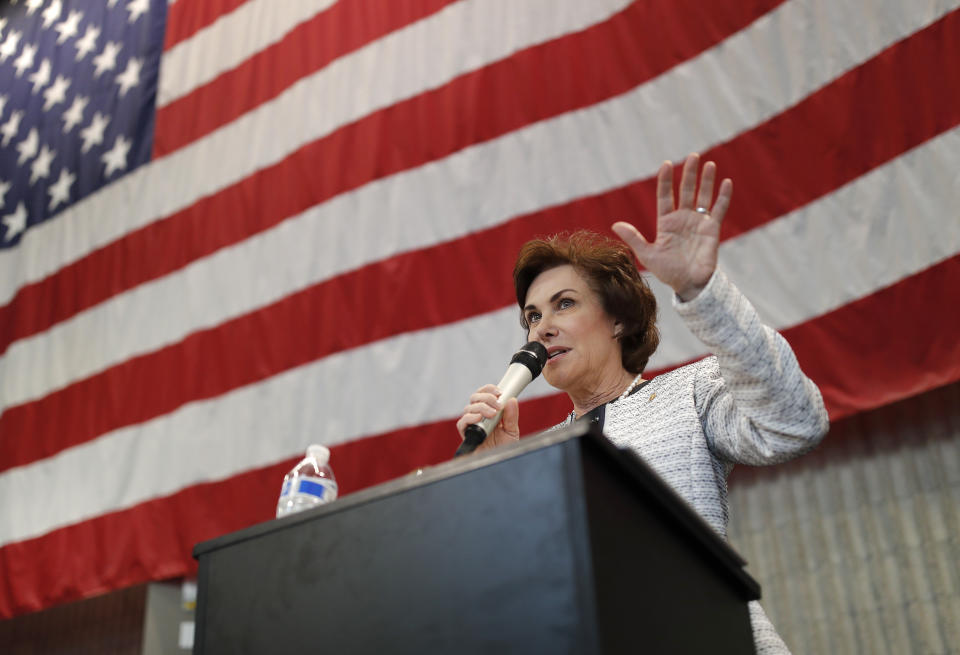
pixel 608 267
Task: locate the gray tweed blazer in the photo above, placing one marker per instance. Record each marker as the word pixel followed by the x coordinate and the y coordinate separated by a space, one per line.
pixel 749 403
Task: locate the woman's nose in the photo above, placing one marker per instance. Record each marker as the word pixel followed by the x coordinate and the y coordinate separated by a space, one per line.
pixel 545 330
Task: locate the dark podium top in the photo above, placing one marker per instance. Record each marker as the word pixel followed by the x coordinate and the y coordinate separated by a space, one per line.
pixel 560 543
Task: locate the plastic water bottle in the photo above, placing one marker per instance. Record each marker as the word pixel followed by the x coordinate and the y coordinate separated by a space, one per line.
pixel 308 484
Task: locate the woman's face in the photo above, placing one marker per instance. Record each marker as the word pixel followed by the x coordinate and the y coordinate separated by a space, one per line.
pixel 566 316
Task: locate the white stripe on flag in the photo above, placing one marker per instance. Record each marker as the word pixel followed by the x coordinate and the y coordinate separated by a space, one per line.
pixel 228 42
pixel 893 222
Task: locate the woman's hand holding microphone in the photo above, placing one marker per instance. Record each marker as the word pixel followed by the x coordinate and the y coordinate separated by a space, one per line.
pixel 485 403
pixel 479 426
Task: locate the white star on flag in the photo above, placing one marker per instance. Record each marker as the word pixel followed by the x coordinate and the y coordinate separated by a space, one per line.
pixel 3 103
pixel 56 92
pixel 3 23
pixel 28 147
pixel 41 165
pixel 15 222
pixel 73 116
pixel 130 77
pixel 33 5
pixel 52 13
pixel 92 134
pixel 11 127
pixel 60 190
pixel 9 46
pixel 137 8
pixel 42 75
pixel 111 4
pixel 87 42
pixel 115 159
pixel 25 60
pixel 4 187
pixel 106 60
pixel 68 28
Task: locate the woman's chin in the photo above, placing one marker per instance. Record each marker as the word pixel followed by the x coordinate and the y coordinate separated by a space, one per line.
pixel 555 379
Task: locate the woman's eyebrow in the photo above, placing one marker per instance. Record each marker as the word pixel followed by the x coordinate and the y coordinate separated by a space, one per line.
pixel 553 298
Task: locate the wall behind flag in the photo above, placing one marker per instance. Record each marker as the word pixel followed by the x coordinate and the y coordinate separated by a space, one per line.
pixel 858 544
pixel 318 205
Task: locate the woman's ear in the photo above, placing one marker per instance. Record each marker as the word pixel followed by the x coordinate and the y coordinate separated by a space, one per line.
pixel 617 329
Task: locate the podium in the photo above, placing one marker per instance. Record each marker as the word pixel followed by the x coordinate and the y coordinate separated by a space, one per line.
pixel 559 543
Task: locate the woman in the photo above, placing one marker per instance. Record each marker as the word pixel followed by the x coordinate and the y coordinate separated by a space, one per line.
pixel 583 298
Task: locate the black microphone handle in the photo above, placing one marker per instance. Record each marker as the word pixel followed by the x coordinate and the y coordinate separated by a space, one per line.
pixel 473 436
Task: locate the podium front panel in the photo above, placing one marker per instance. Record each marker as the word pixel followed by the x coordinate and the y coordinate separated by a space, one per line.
pixel 433 569
pixel 557 544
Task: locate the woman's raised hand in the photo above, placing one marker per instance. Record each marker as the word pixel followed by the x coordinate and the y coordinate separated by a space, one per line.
pixel 684 253
pixel 484 404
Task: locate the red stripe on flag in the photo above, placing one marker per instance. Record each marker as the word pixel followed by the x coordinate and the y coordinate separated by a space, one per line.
pixel 254 204
pixel 150 541
pixel 187 17
pixel 82 411
pixel 70 563
pixel 343 28
pixel 858 355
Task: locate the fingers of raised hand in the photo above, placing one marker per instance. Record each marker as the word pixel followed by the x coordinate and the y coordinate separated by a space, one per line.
pixel 665 203
pixel 705 193
pixel 723 200
pixel 688 181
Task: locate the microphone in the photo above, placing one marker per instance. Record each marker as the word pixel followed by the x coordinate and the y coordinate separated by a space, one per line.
pixel 525 366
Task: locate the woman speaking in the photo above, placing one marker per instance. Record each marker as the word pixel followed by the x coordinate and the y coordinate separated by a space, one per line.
pixel 583 298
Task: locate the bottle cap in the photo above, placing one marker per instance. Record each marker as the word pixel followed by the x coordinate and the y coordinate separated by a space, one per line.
pixel 321 453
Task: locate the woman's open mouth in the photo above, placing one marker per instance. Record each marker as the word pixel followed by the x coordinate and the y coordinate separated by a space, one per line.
pixel 557 352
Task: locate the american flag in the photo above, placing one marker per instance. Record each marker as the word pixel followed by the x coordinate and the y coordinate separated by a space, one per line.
pixel 231 229
pixel 79 90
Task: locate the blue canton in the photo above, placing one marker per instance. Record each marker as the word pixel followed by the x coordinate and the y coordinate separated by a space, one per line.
pixel 78 82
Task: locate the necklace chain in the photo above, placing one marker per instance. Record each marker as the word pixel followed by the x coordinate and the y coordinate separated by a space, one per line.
pixel 630 387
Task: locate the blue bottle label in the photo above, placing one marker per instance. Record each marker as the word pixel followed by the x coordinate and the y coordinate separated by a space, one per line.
pixel 307 486
pixel 312 488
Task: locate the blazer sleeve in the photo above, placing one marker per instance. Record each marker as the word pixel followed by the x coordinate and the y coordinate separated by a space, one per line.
pixel 755 404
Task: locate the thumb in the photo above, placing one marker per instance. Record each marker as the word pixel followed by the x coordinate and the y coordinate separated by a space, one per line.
pixel 511 418
pixel 632 237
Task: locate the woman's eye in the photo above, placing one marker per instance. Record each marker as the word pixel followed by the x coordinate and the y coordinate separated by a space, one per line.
pixel 533 317
pixel 565 302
